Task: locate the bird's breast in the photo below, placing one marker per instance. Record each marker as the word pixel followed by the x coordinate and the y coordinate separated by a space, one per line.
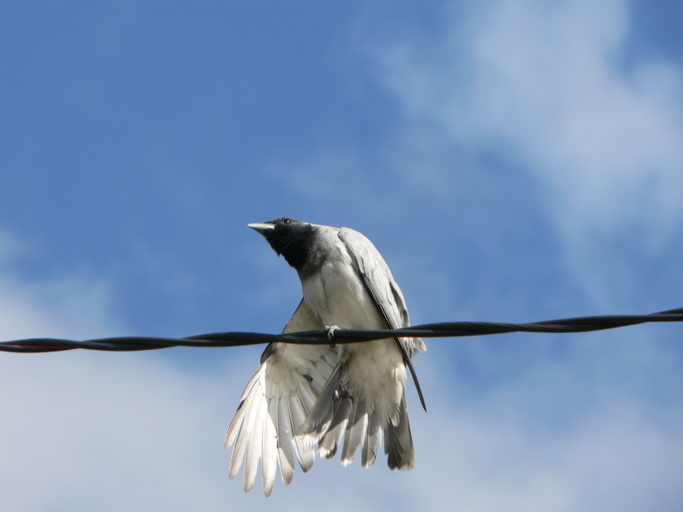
pixel 336 294
pixel 374 371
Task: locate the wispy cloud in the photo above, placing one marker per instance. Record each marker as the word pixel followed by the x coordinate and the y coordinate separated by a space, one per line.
pixel 111 431
pixel 617 459
pixel 530 120
pixel 553 84
pixel 553 92
pixel 73 304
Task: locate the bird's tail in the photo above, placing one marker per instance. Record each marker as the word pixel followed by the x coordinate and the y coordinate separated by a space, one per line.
pixel 342 422
pixel 398 441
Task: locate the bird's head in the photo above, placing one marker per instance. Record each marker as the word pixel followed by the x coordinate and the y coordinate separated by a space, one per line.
pixel 289 238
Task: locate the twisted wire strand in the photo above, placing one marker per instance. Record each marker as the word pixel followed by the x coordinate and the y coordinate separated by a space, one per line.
pixel 337 336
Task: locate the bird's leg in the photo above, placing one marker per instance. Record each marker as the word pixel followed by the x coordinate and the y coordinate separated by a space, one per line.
pixel 330 334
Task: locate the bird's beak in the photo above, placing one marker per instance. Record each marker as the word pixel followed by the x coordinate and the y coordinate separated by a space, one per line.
pixel 261 227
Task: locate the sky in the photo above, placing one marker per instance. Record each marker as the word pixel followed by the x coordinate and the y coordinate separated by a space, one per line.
pixel 513 161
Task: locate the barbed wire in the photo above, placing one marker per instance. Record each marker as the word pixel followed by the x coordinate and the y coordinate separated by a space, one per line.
pixel 338 336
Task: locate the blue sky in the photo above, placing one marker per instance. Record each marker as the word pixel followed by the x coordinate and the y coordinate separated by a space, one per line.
pixel 513 161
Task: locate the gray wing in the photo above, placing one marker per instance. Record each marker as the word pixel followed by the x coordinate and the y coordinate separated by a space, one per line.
pixel 275 404
pixel 385 292
pixel 378 279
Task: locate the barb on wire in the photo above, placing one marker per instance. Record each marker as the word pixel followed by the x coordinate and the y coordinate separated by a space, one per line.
pixel 437 330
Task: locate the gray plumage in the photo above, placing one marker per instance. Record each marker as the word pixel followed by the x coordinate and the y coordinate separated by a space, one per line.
pixel 328 398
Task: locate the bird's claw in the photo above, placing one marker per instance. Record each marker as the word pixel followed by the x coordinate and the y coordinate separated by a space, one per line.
pixel 330 334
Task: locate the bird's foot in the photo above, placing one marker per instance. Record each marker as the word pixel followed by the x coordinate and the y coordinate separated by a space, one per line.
pixel 330 334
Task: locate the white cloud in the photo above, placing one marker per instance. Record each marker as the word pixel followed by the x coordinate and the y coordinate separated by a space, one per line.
pixel 103 431
pixel 553 83
pixel 84 430
pixel 546 80
pixel 616 460
pixel 71 305
pixel 99 430
pixel 559 436
pixel 556 92
pixel 107 432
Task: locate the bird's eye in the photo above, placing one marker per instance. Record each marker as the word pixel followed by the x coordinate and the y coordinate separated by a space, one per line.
pixel 286 221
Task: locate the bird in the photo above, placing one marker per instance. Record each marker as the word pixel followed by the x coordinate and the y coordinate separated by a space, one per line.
pixel 332 397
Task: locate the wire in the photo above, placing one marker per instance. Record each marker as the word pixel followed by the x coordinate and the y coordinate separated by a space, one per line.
pixel 337 336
